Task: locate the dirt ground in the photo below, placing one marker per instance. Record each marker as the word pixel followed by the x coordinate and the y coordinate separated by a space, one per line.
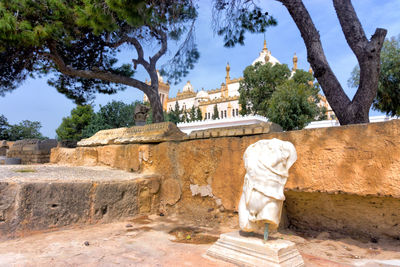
pixel 172 240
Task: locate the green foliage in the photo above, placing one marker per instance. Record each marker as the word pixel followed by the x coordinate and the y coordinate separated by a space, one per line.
pixel 180 115
pixel 25 130
pixel 199 115
pixel 185 115
pixel 4 128
pixel 175 115
pixel 44 37
pixel 149 119
pixel 270 91
pixel 193 114
pixel 215 114
pixel 84 122
pixel 388 96
pixel 115 114
pixel 293 105
pixel 259 83
pixel 40 37
pixel 232 19
pixel 303 77
pixel 72 127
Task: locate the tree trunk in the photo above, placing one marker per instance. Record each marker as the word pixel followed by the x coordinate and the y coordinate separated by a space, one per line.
pixel 367 53
pixel 158 113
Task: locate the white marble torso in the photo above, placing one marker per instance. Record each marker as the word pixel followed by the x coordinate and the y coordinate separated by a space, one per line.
pixel 267 163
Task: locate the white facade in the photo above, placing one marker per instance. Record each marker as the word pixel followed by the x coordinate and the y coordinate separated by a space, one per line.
pixel 188 127
pixel 226 98
pixel 334 123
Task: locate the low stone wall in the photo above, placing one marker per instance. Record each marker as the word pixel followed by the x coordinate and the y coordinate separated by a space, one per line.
pixel 55 197
pixel 32 150
pixel 343 176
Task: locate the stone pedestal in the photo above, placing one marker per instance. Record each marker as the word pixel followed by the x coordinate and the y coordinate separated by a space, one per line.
pixel 253 251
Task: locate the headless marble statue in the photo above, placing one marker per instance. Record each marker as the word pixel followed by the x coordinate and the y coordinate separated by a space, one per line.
pixel 267 163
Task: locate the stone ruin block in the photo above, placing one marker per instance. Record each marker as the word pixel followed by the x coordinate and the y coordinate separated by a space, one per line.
pixel 150 133
pixel 3 148
pixel 32 150
pixel 3 151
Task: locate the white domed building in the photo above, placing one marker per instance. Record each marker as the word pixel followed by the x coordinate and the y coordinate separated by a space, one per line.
pixel 265 56
pixel 202 96
pixel 226 97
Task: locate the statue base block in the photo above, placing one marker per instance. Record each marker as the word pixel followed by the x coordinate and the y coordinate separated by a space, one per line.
pixel 254 251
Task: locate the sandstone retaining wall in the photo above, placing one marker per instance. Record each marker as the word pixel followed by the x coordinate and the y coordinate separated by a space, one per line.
pixel 40 201
pixel 343 175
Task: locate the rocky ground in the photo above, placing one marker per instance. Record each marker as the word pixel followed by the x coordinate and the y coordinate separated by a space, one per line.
pixel 174 241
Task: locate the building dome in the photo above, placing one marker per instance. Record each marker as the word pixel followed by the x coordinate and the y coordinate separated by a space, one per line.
pixel 202 95
pixel 265 56
pixel 188 87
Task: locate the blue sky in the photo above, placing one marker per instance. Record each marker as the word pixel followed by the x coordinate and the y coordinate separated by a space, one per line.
pixel 36 101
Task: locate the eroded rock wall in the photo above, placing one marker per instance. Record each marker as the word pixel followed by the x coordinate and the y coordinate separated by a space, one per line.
pixel 207 170
pixel 26 207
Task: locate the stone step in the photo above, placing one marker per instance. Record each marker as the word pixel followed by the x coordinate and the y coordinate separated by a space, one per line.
pixel 40 197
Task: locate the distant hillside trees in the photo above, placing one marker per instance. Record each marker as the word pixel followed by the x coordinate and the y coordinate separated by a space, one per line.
pixel 24 130
pixel 84 122
pixel 115 114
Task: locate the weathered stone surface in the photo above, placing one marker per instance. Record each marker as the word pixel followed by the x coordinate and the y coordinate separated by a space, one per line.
pixel 32 150
pixel 3 148
pixel 123 157
pixel 50 205
pixel 64 155
pixel 356 216
pixel 3 151
pixel 8 194
pixel 54 197
pixel 361 160
pixel 170 191
pixel 114 199
pixel 259 128
pixel 151 133
pixel 253 251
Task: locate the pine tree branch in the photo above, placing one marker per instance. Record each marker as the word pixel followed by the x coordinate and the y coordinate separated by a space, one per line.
pixel 91 74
